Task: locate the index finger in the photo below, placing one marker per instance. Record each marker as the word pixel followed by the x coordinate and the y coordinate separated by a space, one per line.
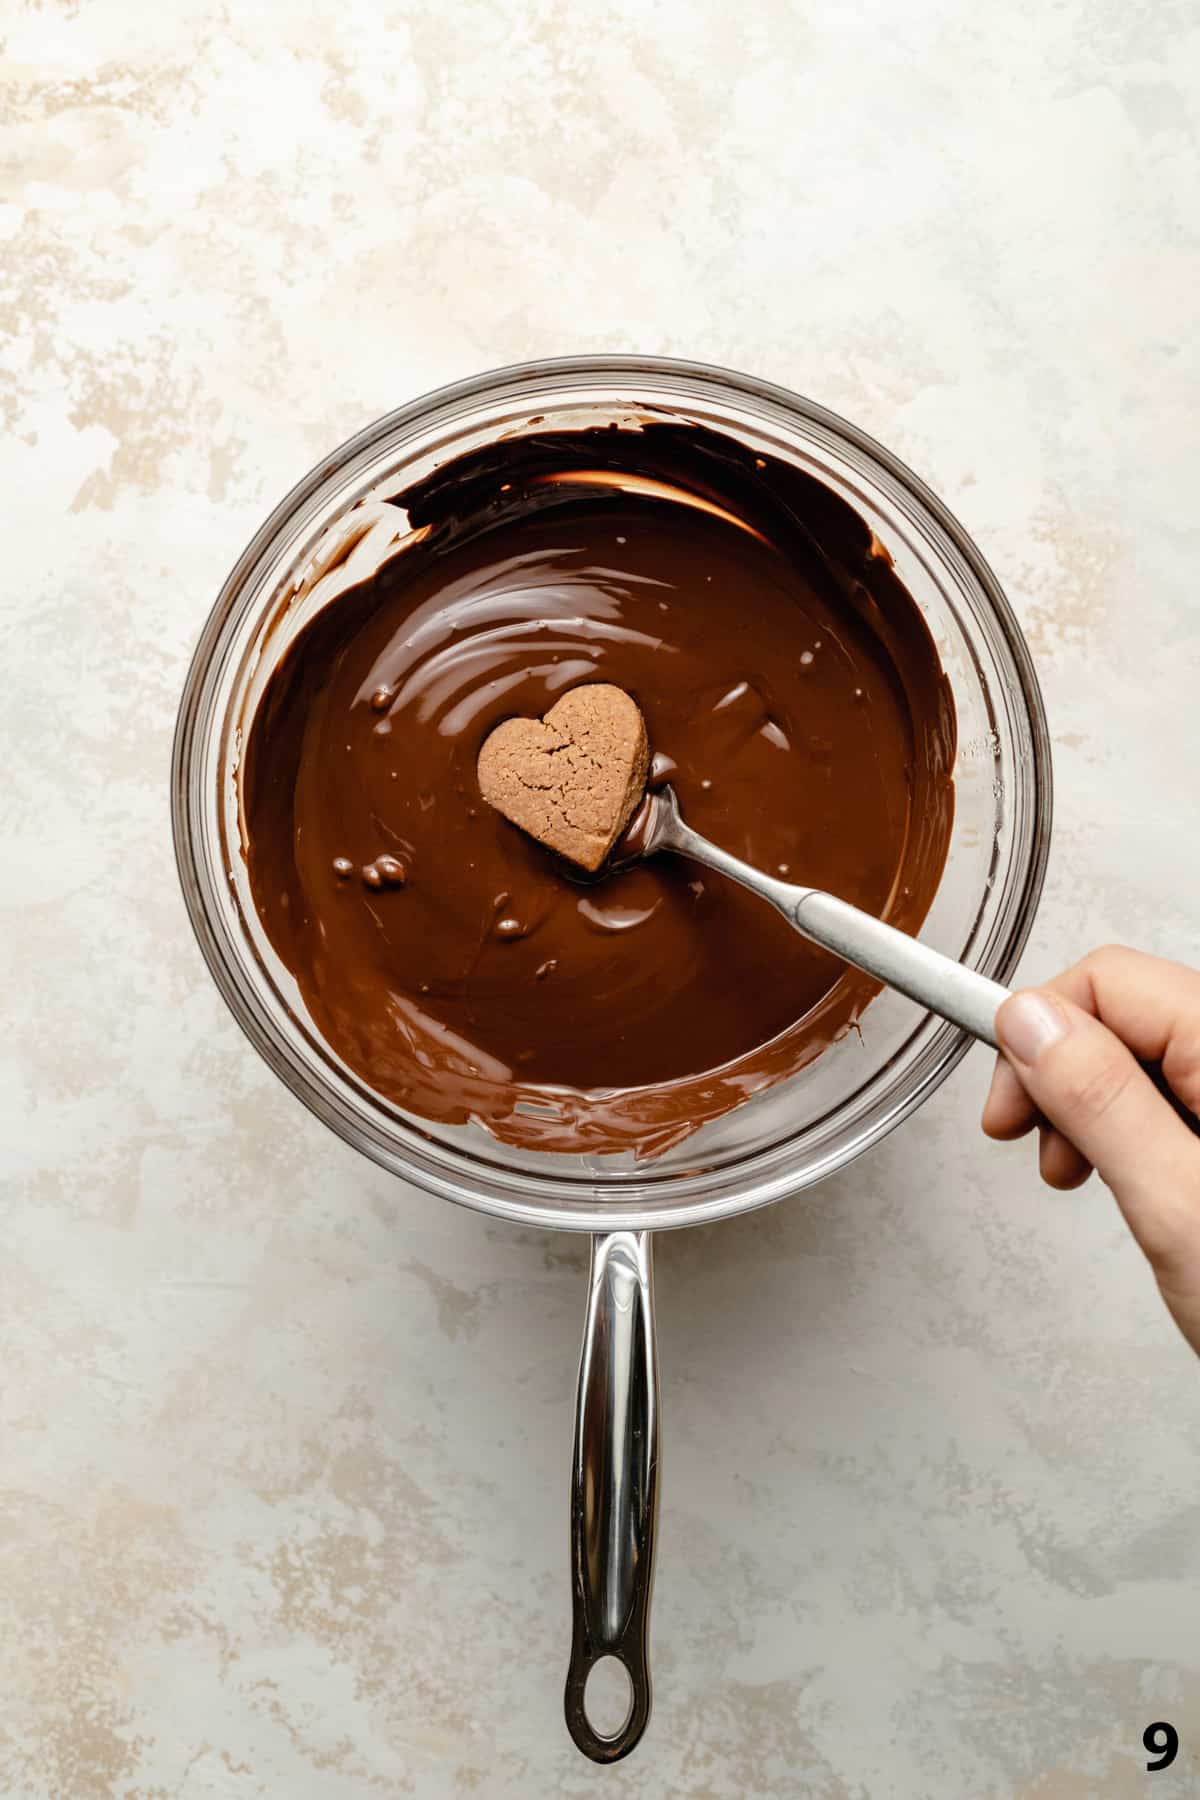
pixel 1151 1004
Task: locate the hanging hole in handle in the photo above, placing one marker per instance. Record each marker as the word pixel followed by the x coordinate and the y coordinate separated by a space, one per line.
pixel 619 1698
pixel 608 1697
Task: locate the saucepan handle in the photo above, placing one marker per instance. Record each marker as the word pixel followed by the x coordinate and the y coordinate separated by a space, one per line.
pixel 614 1488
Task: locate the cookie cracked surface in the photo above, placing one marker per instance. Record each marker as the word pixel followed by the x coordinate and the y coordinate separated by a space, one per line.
pixel 571 779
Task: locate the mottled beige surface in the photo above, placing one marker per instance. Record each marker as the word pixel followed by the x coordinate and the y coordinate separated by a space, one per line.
pixel 284 1446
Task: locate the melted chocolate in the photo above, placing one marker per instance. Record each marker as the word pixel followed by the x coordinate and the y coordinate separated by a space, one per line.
pixel 792 694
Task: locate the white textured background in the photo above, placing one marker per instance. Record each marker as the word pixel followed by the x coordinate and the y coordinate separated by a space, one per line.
pixel 284 1446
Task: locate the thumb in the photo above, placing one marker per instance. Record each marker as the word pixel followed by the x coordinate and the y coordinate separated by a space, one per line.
pixel 1090 1085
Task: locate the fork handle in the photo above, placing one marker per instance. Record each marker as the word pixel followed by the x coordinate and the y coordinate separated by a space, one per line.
pixel 937 982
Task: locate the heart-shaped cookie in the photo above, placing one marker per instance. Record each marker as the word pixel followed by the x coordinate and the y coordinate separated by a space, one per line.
pixel 572 779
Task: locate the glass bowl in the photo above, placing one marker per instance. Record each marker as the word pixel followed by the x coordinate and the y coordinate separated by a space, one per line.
pixel 804 1128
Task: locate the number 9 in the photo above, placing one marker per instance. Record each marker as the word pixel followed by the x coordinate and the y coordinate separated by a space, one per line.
pixel 1164 1740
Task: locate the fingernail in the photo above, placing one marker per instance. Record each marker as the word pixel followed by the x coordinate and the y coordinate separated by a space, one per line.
pixel 1027 1025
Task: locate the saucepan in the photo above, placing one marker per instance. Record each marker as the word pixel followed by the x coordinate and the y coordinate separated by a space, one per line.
pixel 323 537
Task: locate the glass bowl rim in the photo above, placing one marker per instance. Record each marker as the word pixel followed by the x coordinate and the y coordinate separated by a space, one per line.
pixel 515 1193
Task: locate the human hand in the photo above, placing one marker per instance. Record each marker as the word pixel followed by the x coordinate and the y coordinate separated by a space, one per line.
pixel 1071 1067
